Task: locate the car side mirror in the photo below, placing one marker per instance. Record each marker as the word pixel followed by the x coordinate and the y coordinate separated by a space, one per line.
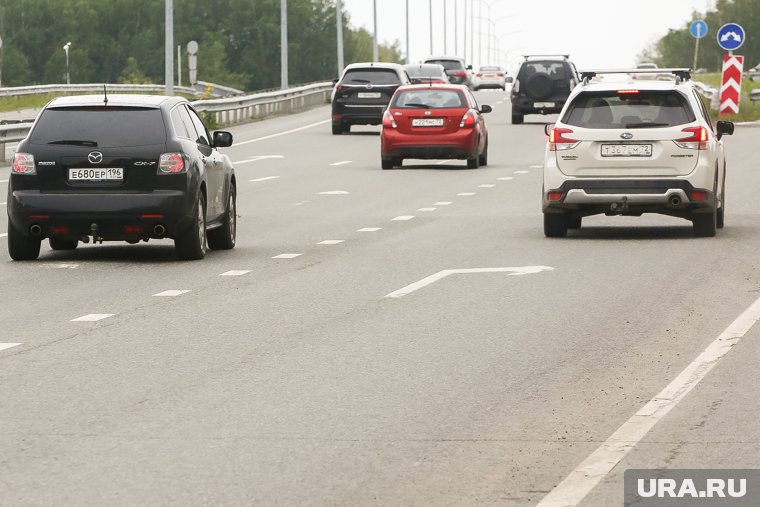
pixel 469 67
pixel 335 81
pixel 548 128
pixel 222 139
pixel 485 108
pixel 508 79
pixel 725 128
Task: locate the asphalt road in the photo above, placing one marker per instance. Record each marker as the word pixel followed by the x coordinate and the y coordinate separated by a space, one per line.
pixel 286 376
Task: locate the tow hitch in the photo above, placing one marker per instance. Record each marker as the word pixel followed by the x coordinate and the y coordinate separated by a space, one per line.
pixel 620 207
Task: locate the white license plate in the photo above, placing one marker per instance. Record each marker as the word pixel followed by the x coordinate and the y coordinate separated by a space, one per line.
pixel 626 150
pixel 544 104
pixel 368 95
pixel 97 174
pixel 427 122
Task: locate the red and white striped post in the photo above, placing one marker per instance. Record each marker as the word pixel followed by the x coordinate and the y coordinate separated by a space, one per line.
pixel 731 84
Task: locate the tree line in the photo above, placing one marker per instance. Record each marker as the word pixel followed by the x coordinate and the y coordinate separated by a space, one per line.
pixel 676 48
pixel 122 41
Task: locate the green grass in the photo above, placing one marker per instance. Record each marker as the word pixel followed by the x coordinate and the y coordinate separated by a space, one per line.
pixel 748 110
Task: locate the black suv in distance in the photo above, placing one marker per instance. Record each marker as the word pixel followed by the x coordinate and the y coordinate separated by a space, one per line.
pixel 363 92
pixel 121 168
pixel 542 85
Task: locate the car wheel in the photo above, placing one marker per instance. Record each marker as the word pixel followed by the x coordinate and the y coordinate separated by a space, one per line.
pixel 574 223
pixel 555 226
pixel 473 163
pixel 483 158
pixel 705 224
pixel 191 245
pixel 63 244
pixel 397 161
pixel 517 119
pixel 20 247
pixel 386 163
pixel 721 213
pixel 223 238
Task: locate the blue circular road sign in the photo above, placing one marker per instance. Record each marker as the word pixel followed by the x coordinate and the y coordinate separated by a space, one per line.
pixel 731 36
pixel 698 28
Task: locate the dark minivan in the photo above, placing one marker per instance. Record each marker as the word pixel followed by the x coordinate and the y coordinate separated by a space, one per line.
pixel 121 168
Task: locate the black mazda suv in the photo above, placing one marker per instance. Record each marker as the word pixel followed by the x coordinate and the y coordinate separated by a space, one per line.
pixel 121 168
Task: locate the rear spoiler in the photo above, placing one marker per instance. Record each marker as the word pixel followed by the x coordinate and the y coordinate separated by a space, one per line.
pixel 546 56
pixel 680 74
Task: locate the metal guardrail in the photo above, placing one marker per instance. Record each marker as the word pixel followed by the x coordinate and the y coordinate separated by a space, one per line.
pixel 88 88
pixel 754 94
pixel 226 111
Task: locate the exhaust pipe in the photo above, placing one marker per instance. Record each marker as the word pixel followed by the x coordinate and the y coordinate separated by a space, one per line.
pixel 674 200
pixel 35 230
pixel 159 230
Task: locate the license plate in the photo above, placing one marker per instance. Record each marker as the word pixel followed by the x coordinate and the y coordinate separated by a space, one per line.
pixel 489 76
pixel 626 150
pixel 97 174
pixel 368 95
pixel 543 104
pixel 427 122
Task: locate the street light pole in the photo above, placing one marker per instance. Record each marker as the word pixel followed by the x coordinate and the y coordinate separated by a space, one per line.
pixel 339 28
pixel 430 4
pixel 456 29
pixel 445 27
pixel 284 44
pixel 375 55
pixel 168 49
pixel 66 50
pixel 408 58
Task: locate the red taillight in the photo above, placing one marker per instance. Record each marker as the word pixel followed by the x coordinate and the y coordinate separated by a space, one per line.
pixel 171 163
pixel 558 141
pixel 39 217
pixel 696 141
pixel 554 196
pixel 500 74
pixel 388 121
pixel 132 229
pixel 460 74
pixel 698 195
pixel 479 74
pixel 628 92
pixel 340 88
pixel 468 120
pixel 152 216
pixel 23 163
pixel 59 229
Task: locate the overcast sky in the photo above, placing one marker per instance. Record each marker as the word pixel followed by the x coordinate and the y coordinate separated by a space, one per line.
pixel 596 33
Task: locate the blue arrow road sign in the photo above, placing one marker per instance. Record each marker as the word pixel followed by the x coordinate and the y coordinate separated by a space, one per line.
pixel 730 36
pixel 698 28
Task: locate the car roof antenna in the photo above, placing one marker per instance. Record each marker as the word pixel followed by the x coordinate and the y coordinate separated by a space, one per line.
pixel 105 96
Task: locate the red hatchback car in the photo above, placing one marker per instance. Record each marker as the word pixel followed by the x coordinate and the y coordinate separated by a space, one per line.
pixel 434 122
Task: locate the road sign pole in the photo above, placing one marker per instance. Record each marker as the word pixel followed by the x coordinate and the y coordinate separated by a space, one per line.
pixel 696 53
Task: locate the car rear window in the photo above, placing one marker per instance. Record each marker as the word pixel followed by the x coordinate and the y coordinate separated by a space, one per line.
pixel 429 99
pixel 555 70
pixel 448 64
pixel 490 69
pixel 105 126
pixel 424 71
pixel 374 76
pixel 642 109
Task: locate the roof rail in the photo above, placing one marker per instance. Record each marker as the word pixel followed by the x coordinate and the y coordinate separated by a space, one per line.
pixel 543 56
pixel 681 74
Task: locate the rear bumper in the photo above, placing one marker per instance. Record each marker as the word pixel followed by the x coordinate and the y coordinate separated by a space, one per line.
pixel 357 115
pixel 110 213
pixel 459 145
pixel 526 105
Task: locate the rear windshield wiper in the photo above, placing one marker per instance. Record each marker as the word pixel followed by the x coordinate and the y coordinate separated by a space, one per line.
pixel 644 125
pixel 359 80
pixel 415 104
pixel 75 142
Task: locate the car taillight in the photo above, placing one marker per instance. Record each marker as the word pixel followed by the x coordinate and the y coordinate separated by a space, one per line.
pixel 558 141
pixel 459 73
pixel 554 196
pixel 696 141
pixel 340 88
pixel 171 163
pixel 388 121
pixel 23 163
pixel 500 74
pixel 468 120
pixel 479 74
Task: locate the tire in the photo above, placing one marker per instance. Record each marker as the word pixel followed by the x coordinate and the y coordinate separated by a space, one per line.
pixel 223 238
pixel 705 224
pixel 397 161
pixel 192 245
pixel 63 244
pixel 386 163
pixel 483 158
pixel 720 217
pixel 338 129
pixel 555 226
pixel 473 163
pixel 539 86
pixel 574 223
pixel 517 119
pixel 20 247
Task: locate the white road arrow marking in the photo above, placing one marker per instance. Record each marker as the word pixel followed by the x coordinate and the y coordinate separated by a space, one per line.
pixel 514 271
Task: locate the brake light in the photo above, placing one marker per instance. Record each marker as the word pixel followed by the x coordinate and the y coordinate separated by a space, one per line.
pixel 698 195
pixel 558 141
pixel 340 88
pixel 152 216
pixel 554 196
pixel 460 73
pixel 23 163
pixel 696 141
pixel 171 163
pixel 468 120
pixel 628 92
pixel 388 121
pixel 500 74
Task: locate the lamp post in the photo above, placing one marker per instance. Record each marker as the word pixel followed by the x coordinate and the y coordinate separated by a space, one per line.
pixel 284 44
pixel 66 50
pixel 375 55
pixel 339 29
pixel 430 5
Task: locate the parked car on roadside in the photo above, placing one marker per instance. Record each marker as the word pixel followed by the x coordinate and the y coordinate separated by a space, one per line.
pixel 121 168
pixel 362 93
pixel 434 122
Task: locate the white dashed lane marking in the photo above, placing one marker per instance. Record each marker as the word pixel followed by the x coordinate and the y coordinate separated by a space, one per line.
pixel 403 217
pixel 505 178
pixel 4 234
pixel 236 272
pixel 3 181
pixel 487 185
pixel 466 194
pixel 427 209
pixel 3 203
pixel 59 266
pixel 92 317
pixel 521 172
pixel 331 242
pixel 4 346
pixel 369 229
pixel 342 162
pixel 537 167
pixel 265 178
pixel 287 256
pixel 171 293
pixel 283 133
pixel 334 192
pixel 442 203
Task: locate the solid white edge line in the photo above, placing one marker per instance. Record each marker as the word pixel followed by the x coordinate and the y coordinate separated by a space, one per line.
pixel 4 346
pixel 286 132
pixel 607 456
